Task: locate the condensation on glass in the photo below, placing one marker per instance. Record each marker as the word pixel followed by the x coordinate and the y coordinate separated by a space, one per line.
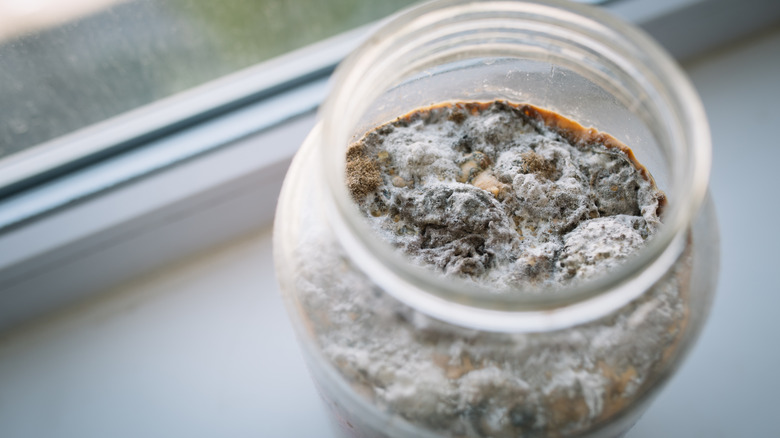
pixel 67 65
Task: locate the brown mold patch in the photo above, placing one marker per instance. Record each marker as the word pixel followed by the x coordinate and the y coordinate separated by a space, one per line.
pixel 535 163
pixel 457 116
pixel 363 175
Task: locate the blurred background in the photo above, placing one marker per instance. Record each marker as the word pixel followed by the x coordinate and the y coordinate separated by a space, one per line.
pixel 196 343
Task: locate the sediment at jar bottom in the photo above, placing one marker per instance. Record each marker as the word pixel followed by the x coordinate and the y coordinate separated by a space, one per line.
pixel 461 382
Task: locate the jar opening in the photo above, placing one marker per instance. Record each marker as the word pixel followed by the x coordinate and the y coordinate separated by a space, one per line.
pixel 574 60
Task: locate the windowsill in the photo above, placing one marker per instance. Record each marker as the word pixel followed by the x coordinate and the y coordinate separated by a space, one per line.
pixel 91 246
pixel 203 348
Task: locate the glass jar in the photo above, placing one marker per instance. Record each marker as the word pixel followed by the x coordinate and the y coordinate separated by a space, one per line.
pixel 385 340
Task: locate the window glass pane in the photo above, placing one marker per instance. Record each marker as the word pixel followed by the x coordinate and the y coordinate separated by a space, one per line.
pixel 67 64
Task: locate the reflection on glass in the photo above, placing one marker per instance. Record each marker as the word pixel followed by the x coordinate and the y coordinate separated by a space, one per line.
pixel 66 65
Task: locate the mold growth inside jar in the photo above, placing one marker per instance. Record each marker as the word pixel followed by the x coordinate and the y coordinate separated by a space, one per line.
pixel 504 195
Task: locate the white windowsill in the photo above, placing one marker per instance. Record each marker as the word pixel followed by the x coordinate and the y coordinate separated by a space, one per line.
pixel 66 257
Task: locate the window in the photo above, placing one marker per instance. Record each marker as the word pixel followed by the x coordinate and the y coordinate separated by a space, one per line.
pixel 100 58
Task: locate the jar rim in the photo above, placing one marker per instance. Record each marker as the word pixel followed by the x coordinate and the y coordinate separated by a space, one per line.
pixel 464 303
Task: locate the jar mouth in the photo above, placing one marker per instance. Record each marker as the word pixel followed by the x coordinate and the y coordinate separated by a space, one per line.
pixel 457 31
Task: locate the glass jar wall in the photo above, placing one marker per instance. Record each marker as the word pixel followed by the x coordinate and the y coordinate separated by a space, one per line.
pixel 396 350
